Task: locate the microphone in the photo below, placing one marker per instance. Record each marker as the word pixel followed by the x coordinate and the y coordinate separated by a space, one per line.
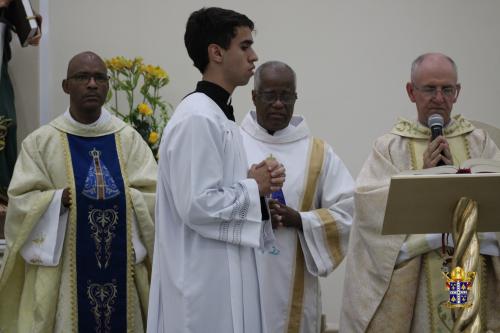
pixel 436 123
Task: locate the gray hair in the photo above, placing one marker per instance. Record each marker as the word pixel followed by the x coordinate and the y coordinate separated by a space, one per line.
pixel 421 58
pixel 271 65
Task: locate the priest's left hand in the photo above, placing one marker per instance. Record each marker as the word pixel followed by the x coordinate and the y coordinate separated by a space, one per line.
pixel 284 216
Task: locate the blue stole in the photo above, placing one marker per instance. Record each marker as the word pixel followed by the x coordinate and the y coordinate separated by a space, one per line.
pixel 101 234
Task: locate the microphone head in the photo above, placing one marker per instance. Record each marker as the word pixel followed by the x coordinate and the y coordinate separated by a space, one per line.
pixel 435 120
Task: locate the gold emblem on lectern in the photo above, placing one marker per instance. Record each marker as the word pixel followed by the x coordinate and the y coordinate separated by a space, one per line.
pixel 458 284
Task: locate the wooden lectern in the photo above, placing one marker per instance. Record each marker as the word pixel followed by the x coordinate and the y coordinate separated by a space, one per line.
pixel 460 204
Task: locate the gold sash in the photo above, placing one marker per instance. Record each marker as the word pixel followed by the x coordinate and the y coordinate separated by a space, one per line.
pixel 316 156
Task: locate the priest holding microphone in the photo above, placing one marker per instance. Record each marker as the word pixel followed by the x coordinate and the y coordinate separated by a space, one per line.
pixel 394 282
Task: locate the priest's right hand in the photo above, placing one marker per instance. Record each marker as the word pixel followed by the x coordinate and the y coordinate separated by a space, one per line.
pixel 66 197
pixel 269 175
pixel 437 150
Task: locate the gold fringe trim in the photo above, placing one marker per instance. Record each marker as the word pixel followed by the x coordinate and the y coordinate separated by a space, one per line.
pixel 483 309
pixel 331 234
pixel 413 157
pixel 428 282
pixel 130 254
pixel 297 304
pixel 467 146
pixel 71 233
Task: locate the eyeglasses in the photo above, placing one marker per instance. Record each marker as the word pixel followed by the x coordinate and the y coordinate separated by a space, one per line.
pixel 270 97
pixel 432 91
pixel 84 78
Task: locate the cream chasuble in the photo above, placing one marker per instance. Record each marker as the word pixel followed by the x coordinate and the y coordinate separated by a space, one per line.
pixel 393 283
pixel 43 298
pixel 319 186
pixel 208 223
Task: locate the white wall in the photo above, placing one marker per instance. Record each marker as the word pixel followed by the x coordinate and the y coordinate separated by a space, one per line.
pixel 352 59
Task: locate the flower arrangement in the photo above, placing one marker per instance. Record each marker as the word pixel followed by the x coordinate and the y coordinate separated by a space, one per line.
pixel 147 112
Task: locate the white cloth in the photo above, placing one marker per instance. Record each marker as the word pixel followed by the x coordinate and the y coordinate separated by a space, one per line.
pixel 418 244
pixel 208 222
pixel 45 242
pixel 334 192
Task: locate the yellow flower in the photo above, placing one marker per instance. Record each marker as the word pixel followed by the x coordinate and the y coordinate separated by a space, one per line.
pixel 153 137
pixel 154 72
pixel 128 63
pixel 144 109
pixel 117 63
pixel 138 61
pixel 147 69
pixel 160 72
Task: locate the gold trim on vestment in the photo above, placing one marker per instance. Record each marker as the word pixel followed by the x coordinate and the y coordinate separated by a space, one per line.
pixel 71 233
pixel 130 254
pixel 483 310
pixel 331 233
pixel 428 282
pixel 315 163
pixel 413 157
pixel 467 147
pixel 297 304
pixel 413 129
pixel 102 298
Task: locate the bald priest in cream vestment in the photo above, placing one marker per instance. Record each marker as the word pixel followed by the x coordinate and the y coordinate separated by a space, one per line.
pixel 394 282
pixel 38 277
pixel 81 268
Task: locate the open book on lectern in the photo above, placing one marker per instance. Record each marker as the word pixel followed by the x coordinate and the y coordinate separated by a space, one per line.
pixel 423 201
pixel 475 165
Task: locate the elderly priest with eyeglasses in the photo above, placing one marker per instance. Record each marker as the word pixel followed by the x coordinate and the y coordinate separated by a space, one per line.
pixel 311 214
pixel 79 225
pixel 394 283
